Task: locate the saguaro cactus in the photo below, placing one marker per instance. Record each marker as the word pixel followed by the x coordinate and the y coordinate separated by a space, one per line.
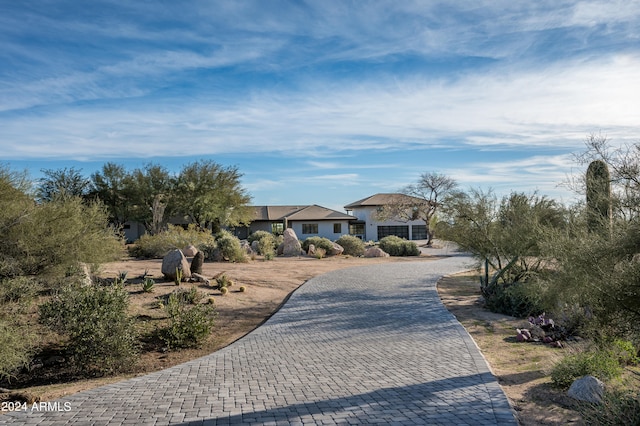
pixel 598 196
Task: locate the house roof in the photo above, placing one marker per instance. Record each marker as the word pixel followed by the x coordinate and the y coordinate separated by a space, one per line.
pixel 310 212
pixel 381 200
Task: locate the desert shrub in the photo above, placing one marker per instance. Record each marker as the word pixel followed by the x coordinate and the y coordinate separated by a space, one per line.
pixel 148 284
pixel 519 299
pixel 18 289
pixel 397 246
pixel 174 237
pixel 223 281
pixel 189 297
pixel 49 238
pixel 618 407
pixel 266 243
pixel 189 325
pixel 625 351
pixel 352 245
pixel 230 248
pixel 602 364
pixel 319 243
pixel 102 338
pixel 15 348
pixel 320 253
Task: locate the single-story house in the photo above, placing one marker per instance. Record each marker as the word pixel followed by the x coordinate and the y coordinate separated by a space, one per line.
pixel 371 228
pixel 307 221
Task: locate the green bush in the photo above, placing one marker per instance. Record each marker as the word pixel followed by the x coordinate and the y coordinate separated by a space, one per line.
pixel 352 245
pixel 318 242
pixel 50 238
pixel 625 351
pixel 102 338
pixel 266 243
pixel 230 248
pixel 189 297
pixel 175 237
pixel 15 348
pixel 618 407
pixel 602 364
pixel 18 289
pixel 396 246
pixel 189 325
pixel 519 299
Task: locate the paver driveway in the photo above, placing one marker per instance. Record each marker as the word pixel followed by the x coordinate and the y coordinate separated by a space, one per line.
pixel 363 345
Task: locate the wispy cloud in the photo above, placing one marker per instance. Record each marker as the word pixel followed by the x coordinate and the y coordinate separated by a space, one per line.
pixel 333 86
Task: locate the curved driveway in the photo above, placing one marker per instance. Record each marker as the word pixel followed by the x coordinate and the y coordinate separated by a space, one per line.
pixel 363 345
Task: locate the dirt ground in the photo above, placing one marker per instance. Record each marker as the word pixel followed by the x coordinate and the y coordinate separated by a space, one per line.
pixel 520 369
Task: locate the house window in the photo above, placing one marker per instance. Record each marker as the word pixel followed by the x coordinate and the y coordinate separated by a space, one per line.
pixel 419 232
pixel 356 229
pixel 277 228
pixel 309 228
pixel 400 231
pixel 337 228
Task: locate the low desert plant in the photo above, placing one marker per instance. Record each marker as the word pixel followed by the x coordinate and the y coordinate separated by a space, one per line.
pixel 190 297
pixel 178 279
pixel 320 253
pixel 267 243
pixel 148 284
pixel 15 348
pixel 352 245
pixel 189 325
pixel 102 337
pixel 242 289
pixel 224 290
pixel 121 278
pixel 602 364
pixel 397 246
pixel 319 243
pixel 175 237
pixel 18 289
pixel 618 407
pixel 211 301
pixel 230 248
pixel 223 281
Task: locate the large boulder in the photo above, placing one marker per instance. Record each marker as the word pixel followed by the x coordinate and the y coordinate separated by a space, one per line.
pixel 291 245
pixel 375 252
pixel 587 388
pixel 190 250
pixel 196 263
pixel 337 250
pixel 175 260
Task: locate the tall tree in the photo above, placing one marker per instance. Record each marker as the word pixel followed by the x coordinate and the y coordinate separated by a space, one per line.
pixel 420 201
pixel 111 185
pixel 62 183
pixel 151 191
pixel 212 195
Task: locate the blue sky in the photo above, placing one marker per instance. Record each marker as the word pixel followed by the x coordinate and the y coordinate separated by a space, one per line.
pixel 320 102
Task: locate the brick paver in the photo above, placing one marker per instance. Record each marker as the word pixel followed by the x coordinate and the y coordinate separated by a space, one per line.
pixel 365 345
